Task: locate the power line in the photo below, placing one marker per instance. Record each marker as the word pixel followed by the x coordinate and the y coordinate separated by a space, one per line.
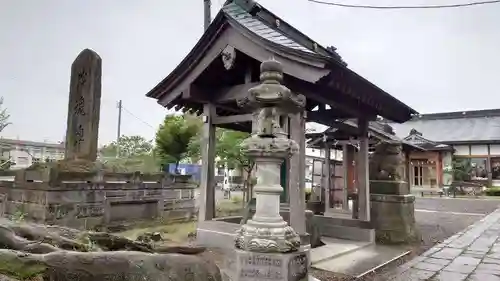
pixel 135 116
pixel 406 7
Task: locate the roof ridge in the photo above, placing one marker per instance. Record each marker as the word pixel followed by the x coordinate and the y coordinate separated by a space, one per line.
pixel 306 41
pixel 420 137
pixel 458 114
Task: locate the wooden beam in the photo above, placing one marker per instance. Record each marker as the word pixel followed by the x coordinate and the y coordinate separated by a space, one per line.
pixel 207 185
pixel 362 172
pixel 232 119
pixel 195 94
pixel 326 118
pixel 296 175
pixel 167 99
pixel 233 93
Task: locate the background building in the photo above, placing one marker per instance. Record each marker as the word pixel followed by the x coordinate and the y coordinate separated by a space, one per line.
pixel 25 153
pixel 473 135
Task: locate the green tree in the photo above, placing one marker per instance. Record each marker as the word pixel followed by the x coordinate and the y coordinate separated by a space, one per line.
pixel 194 151
pixel 229 151
pixel 136 154
pixel 5 162
pixel 4 116
pixel 130 146
pixel 173 138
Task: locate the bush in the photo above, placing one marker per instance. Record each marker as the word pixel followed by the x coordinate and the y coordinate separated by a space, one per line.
pixel 236 199
pixel 493 191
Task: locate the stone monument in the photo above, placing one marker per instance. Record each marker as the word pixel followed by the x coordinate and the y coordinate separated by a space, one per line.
pixel 392 205
pixel 79 191
pixel 267 248
pixel 84 107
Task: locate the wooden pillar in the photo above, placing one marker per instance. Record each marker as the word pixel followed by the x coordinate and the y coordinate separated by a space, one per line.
pixel 297 174
pixel 407 167
pixel 439 169
pixel 346 164
pixel 488 167
pixel 362 168
pixel 327 176
pixel 207 186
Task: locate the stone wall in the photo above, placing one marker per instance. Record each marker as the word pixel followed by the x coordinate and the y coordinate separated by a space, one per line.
pixel 88 200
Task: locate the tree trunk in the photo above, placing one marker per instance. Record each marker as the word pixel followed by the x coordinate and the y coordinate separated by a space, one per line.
pixel 54 253
pixel 177 167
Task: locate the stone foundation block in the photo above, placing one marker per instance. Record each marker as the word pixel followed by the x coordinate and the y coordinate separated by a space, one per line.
pixel 248 266
pixel 389 187
pixel 393 217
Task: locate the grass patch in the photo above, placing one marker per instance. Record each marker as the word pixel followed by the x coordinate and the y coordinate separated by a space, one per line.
pixel 229 208
pixel 175 232
pixel 493 191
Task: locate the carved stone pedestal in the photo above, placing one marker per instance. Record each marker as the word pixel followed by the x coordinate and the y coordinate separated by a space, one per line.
pixel 393 217
pixel 251 266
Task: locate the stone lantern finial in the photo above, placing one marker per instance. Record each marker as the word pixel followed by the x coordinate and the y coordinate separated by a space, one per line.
pixel 271 72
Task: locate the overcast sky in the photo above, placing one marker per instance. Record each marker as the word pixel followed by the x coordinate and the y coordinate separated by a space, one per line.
pixel 433 60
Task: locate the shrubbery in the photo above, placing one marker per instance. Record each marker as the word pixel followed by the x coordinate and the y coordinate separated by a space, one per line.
pixel 493 191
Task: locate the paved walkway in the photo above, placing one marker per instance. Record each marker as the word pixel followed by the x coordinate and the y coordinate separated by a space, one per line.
pixel 472 255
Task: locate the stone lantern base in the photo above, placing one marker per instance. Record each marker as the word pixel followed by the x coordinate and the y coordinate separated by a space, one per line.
pixel 251 266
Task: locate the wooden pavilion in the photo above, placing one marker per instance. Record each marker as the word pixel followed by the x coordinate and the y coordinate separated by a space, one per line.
pixel 341 183
pixel 224 64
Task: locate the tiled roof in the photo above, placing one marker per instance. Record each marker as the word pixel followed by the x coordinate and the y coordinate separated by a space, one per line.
pixel 376 129
pixel 453 130
pixel 259 24
pixel 261 29
pixel 416 138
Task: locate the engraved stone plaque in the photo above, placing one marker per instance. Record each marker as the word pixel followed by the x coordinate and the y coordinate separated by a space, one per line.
pixel 249 266
pixel 84 106
pixel 261 267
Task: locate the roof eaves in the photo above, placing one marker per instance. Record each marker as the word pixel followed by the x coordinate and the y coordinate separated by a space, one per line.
pixel 458 114
pixel 198 51
pixel 384 93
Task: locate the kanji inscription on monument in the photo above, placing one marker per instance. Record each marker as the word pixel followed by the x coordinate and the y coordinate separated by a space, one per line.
pixel 84 106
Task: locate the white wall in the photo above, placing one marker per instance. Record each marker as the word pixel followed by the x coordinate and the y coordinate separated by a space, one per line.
pixel 23 156
pixel 479 149
pixel 495 149
pixel 461 150
pixel 334 155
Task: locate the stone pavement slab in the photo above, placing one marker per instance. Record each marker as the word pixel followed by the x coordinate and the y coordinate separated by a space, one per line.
pixel 472 254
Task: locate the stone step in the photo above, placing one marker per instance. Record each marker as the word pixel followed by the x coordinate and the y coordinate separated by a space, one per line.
pixel 362 261
pixel 334 248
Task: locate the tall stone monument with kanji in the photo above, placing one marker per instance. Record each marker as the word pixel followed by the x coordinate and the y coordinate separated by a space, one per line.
pixel 267 248
pixel 84 107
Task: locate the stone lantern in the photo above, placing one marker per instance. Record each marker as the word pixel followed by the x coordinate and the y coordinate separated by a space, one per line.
pixel 266 246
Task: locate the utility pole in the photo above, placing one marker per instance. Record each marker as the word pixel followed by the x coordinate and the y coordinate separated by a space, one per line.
pixel 118 133
pixel 207 13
